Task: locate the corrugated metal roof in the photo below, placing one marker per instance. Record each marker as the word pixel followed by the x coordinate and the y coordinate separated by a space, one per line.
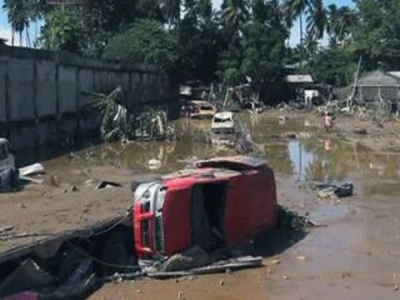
pixel 377 78
pixel 299 78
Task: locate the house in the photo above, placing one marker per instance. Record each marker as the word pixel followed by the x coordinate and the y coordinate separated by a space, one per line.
pixel 378 85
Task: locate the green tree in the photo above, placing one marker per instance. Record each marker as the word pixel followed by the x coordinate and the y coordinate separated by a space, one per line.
pixel 62 31
pixel 316 19
pixel 146 41
pixel 200 42
pixel 18 17
pixel 172 11
pixel 341 22
pixel 235 13
pixel 295 9
pixel 377 37
pixel 263 56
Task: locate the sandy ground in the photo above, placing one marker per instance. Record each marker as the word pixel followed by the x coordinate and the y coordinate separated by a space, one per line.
pixel 356 256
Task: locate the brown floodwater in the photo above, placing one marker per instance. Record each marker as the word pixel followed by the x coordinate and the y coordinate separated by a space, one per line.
pixel 313 157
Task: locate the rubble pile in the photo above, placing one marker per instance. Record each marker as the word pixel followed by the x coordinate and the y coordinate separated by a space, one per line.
pixel 118 123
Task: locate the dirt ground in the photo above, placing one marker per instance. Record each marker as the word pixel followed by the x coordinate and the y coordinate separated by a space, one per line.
pixel 355 256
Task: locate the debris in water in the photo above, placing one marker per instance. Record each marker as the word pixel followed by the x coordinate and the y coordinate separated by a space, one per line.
pixel 154 164
pixel 107 184
pixel 119 123
pixel 330 191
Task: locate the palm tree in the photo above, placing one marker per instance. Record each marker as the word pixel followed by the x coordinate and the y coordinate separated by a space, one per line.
pixel 341 21
pixel 172 11
pixel 235 13
pixel 295 9
pixel 18 17
pixel 316 19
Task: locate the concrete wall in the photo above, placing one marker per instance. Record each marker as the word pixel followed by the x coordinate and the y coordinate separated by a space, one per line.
pixel 43 93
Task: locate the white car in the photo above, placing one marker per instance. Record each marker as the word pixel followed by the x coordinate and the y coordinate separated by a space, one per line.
pixel 226 128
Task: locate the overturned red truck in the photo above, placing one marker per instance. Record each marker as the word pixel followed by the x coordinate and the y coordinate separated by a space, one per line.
pixel 221 201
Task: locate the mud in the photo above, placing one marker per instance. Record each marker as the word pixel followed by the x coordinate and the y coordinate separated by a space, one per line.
pixel 354 256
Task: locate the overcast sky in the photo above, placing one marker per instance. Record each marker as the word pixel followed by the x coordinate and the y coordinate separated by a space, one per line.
pixel 5 31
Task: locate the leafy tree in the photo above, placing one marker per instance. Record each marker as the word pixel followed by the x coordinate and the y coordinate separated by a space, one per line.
pixel 235 13
pixel 316 19
pixel 146 41
pixel 295 9
pixel 18 17
pixel 377 37
pixel 335 65
pixel 172 11
pixel 200 42
pixel 61 31
pixel 341 22
pixel 263 56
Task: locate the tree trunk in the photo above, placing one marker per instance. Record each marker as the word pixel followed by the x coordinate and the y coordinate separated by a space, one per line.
pixel 20 38
pixel 12 36
pixel 28 39
pixel 301 41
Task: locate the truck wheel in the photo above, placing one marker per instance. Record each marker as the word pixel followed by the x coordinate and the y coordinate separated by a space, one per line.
pixel 116 253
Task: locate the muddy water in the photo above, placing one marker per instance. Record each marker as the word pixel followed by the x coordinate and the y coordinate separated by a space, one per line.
pixel 313 157
pixel 356 256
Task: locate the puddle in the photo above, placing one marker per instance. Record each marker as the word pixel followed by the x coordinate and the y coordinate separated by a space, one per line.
pixel 328 213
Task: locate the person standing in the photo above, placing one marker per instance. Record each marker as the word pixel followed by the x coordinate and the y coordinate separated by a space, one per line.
pixel 328 122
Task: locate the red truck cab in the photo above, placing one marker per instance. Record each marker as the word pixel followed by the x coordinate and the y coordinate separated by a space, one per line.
pixel 220 201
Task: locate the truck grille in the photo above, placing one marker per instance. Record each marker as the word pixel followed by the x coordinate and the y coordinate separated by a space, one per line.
pixel 159 234
pixel 145 233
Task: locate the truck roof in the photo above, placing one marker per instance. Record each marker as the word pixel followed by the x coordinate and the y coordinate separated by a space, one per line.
pixel 232 162
pixel 188 177
pixel 211 170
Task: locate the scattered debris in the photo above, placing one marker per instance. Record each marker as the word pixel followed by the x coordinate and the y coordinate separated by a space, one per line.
pixel 154 164
pixel 274 262
pixel 331 191
pixel 361 131
pixel 218 267
pixel 6 229
pixel 32 170
pixel 301 257
pixel 107 184
pixel 30 179
pixel 193 258
pixel 28 276
pixel 118 123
